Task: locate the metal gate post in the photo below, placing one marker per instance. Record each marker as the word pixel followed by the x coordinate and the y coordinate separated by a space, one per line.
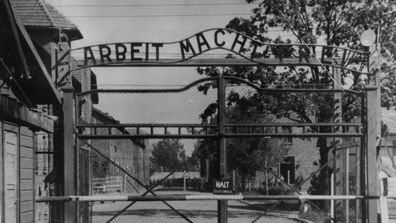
pixel 363 145
pixel 69 154
pixel 341 169
pixel 371 154
pixel 222 204
pixel 373 129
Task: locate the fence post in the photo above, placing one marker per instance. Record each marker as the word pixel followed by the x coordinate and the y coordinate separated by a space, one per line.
pixel 341 169
pixel 69 154
pixel 371 155
pixel 222 204
pixel 184 181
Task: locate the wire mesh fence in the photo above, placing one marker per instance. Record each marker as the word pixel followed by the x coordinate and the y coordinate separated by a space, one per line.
pixel 294 171
pixel 143 107
pixel 143 150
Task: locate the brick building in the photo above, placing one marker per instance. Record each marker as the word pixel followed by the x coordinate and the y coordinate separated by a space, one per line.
pixel 132 155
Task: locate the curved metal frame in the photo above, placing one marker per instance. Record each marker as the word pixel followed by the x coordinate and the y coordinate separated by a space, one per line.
pixel 221 130
pixel 303 61
pixel 213 130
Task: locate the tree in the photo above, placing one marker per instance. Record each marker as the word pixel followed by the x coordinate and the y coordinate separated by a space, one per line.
pixel 168 155
pixel 337 23
pixel 247 155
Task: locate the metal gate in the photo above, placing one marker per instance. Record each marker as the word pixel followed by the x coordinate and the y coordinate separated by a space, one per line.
pixel 118 147
pixel 116 138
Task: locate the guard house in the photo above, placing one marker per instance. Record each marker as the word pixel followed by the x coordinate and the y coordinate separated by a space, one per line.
pixel 31 102
pixel 25 83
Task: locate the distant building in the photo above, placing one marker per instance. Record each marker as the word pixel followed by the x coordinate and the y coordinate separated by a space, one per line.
pixel 300 161
pixel 132 155
pixel 387 150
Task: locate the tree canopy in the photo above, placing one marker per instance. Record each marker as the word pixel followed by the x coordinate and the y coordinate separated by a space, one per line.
pixel 334 23
pixel 168 155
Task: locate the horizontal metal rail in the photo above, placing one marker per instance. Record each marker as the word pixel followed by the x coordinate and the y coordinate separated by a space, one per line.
pixel 147 125
pixel 260 89
pixel 197 197
pixel 239 135
pixel 102 131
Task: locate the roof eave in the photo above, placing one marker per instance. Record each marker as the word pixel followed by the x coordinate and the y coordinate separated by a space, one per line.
pixel 73 33
pixel 38 59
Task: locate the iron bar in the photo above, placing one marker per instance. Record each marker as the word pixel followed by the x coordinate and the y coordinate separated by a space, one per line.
pixel 176 90
pixel 148 189
pixel 185 125
pixel 166 90
pixel 199 197
pixel 215 135
pixel 144 194
pixel 211 62
pixel 230 130
pixel 222 205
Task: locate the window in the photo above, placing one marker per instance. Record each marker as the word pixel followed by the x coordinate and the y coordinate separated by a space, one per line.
pixel 287 170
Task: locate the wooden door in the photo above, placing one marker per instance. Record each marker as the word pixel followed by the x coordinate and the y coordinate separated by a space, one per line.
pixel 10 169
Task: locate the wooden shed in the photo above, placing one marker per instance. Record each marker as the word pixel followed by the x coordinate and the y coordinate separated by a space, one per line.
pixel 27 31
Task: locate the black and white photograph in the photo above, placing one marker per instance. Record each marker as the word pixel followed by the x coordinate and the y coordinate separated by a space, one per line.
pixel 227 111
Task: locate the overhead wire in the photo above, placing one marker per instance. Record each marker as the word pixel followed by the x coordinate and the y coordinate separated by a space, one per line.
pixel 148 5
pixel 158 15
pixel 153 5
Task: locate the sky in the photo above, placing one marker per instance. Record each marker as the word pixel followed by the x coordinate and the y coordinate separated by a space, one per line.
pixel 149 21
pixel 146 21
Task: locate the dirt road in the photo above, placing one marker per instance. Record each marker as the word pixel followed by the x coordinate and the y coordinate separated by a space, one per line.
pixel 196 211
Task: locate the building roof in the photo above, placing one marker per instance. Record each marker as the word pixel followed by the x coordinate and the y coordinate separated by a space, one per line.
pixel 388 117
pixel 108 119
pixel 40 14
pixel 175 175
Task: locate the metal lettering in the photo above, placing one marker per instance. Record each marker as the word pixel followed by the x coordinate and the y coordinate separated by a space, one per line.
pixel 157 52
pixel 254 51
pixel 120 51
pixel 104 55
pixel 217 38
pixel 134 50
pixel 201 41
pixel 242 43
pixel 147 51
pixel 186 48
pixel 90 57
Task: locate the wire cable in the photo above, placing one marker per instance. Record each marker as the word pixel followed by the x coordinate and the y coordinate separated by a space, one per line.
pixel 148 5
pixel 158 15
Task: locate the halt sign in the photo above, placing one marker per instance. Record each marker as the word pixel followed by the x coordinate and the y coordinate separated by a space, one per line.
pixel 222 187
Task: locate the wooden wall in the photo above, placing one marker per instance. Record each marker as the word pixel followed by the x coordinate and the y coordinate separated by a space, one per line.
pixel 25 171
pixel 26 177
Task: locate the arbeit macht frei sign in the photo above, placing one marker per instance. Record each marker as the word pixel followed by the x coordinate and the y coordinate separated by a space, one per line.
pixel 239 45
